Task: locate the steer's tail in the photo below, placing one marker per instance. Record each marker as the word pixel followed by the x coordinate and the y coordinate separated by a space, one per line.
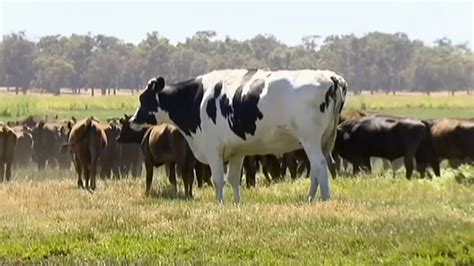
pixel 338 90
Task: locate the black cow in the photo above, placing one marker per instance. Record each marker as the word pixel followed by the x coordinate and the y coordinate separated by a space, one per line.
pixel 386 137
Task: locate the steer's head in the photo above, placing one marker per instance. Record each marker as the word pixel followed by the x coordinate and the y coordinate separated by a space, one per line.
pixel 148 110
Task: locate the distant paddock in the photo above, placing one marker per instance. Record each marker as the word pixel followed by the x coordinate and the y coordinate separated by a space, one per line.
pixel 16 107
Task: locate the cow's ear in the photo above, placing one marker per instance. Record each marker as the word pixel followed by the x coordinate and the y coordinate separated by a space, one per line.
pixel 159 84
pixel 69 125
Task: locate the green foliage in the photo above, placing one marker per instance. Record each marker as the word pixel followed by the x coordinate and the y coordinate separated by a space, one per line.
pixel 376 61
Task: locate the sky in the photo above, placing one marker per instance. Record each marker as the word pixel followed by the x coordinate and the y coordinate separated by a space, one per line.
pixel 288 21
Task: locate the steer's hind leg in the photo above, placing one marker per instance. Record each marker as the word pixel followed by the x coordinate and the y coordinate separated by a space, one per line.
pixel 235 165
pixel 319 174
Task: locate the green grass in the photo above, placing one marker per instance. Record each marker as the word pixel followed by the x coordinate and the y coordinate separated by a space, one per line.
pixel 14 107
pixel 370 220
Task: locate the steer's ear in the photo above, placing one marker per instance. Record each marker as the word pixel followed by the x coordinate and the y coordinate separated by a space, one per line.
pixel 159 84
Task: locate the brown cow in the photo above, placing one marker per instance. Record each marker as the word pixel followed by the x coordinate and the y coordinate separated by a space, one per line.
pixel 46 144
pixel 7 151
pixel 31 121
pixel 131 159
pixel 451 139
pixel 162 144
pixel 24 145
pixel 351 115
pixel 109 159
pixel 123 159
pixel 64 160
pixel 87 141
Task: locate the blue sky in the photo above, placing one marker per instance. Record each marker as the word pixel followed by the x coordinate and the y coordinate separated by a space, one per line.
pixel 288 21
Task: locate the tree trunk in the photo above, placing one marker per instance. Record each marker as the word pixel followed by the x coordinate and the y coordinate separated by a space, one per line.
pixel 17 90
pixel 8 88
pixel 115 91
pixel 92 91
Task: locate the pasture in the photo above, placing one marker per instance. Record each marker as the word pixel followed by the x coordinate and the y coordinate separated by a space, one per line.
pixel 13 107
pixel 371 219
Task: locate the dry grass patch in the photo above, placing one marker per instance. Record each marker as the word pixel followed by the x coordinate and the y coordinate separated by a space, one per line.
pixel 370 220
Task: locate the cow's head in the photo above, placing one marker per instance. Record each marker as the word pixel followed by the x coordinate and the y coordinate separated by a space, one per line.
pixel 149 106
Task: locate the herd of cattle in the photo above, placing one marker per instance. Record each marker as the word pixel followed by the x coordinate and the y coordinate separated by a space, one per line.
pixel 116 151
pixel 246 118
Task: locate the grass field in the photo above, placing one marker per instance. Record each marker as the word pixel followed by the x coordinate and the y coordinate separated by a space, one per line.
pixel 14 107
pixel 372 219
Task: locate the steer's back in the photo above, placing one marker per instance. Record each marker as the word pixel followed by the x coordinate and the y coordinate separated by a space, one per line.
pixel 264 111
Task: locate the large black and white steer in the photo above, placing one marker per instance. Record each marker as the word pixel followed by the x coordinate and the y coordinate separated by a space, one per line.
pixel 228 114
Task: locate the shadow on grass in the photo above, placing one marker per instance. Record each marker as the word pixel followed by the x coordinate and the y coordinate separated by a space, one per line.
pixel 168 192
pixel 463 179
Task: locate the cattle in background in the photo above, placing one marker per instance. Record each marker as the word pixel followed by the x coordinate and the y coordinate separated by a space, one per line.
pixel 162 145
pixel 341 163
pixel 24 145
pixel 451 139
pixel 273 167
pixel 109 159
pixel 203 174
pixel 87 141
pixel 64 160
pixel 31 121
pixel 295 161
pixel 131 159
pixel 46 144
pixel 7 151
pixel 385 137
pixel 226 115
pixel 250 166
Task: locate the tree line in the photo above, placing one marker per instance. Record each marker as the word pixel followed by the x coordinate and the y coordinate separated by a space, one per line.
pixel 376 61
